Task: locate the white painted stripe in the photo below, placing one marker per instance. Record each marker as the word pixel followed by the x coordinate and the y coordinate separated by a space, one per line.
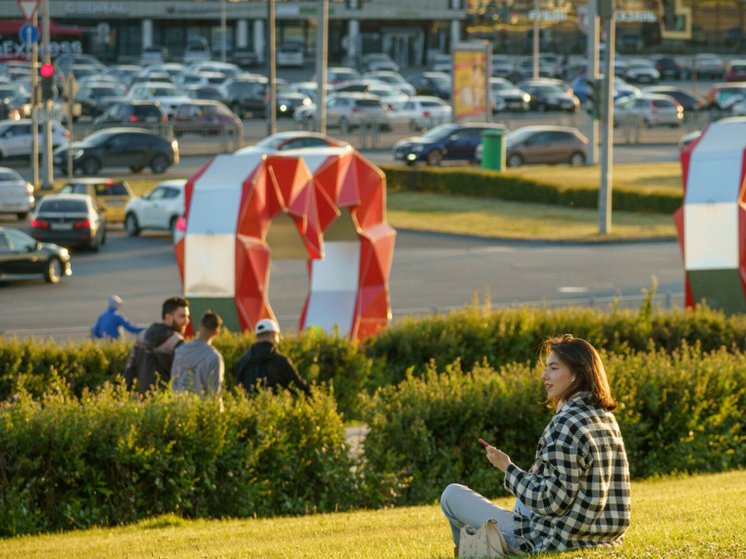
pixel 710 236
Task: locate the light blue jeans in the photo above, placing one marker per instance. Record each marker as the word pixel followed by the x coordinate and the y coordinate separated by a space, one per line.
pixel 463 506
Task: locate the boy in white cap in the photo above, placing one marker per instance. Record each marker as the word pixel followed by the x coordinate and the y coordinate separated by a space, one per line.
pixel 107 325
pixel 264 365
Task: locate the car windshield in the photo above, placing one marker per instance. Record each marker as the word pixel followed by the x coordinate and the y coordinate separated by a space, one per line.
pixel 552 88
pixel 164 91
pixel 62 205
pixel 440 131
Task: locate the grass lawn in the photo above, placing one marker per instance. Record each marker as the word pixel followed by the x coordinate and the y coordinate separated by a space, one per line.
pixel 674 518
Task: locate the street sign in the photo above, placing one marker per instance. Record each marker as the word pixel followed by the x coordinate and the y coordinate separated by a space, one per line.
pixel 582 13
pixel 43 115
pixel 29 33
pixel 28 7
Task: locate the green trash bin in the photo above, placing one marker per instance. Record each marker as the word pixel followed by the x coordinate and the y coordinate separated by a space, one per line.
pixel 493 149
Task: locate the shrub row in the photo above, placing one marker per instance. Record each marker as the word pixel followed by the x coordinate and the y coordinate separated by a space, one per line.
pixel 110 457
pixel 679 412
pixel 511 186
pixel 471 335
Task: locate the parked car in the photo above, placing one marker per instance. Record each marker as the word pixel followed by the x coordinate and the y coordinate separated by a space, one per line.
pixel 171 68
pixel 288 101
pixel 526 68
pixel 641 71
pixel 309 89
pixel 132 112
pixel 735 71
pixel 23 255
pixel 245 57
pixel 154 53
pixel 437 84
pixel 16 195
pixel 16 138
pixel 159 208
pixel 123 72
pixel 507 97
pixel 389 95
pixel 204 117
pixel 120 147
pixel 110 195
pixel 196 50
pixel 502 67
pixel 69 220
pixel 362 85
pixel 550 95
pixel 347 111
pixel 723 96
pixel 377 62
pixel 200 78
pixel 445 142
pixel 442 63
pixel 545 144
pixel 228 68
pixel 669 68
pixel 394 79
pixel 687 100
pixel 207 92
pixel 285 141
pixel 289 55
pixel 340 74
pixel 630 42
pixel 168 96
pixel 95 98
pixel 709 66
pixel 247 95
pixel 422 111
pixel 650 108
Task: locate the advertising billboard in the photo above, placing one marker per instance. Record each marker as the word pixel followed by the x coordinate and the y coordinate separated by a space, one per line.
pixel 471 72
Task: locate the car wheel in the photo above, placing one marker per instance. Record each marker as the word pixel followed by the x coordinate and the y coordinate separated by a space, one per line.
pixel 91 166
pixel 131 225
pixel 344 126
pixel 172 226
pixel 53 271
pixel 136 168
pixel 577 159
pixel 159 164
pixel 434 158
pixel 22 215
pixel 514 160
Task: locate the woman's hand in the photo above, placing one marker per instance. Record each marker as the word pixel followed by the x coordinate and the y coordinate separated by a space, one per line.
pixel 498 458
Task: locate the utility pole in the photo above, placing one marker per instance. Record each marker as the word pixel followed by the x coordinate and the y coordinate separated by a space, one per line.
pixel 35 95
pixel 47 168
pixel 272 109
pixel 322 46
pixel 591 73
pixel 223 31
pixel 607 154
pixel 536 39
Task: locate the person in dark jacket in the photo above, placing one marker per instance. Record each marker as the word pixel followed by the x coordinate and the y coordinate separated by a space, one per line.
pixel 152 356
pixel 264 365
pixel 109 323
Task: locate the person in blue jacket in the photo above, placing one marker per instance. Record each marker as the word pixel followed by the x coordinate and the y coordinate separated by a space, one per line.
pixel 107 325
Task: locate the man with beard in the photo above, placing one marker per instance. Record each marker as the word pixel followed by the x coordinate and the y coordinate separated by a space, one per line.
pixel 152 356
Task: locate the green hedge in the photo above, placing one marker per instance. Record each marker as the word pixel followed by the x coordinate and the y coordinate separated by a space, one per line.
pixel 680 412
pixel 511 186
pixel 471 335
pixel 111 458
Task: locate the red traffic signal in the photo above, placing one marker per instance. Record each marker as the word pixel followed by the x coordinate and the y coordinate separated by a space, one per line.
pixel 46 70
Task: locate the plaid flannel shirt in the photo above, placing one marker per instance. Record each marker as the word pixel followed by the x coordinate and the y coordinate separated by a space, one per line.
pixel 578 490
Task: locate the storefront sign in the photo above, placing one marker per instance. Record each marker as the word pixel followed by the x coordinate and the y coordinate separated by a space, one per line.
pixel 547 15
pixel 13 49
pixel 636 16
pixel 96 8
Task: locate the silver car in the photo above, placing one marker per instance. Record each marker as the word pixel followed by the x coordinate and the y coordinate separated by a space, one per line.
pixel 649 108
pixel 348 110
pixel 16 195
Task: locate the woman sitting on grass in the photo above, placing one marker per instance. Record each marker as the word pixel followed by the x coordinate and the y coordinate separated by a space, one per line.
pixel 577 492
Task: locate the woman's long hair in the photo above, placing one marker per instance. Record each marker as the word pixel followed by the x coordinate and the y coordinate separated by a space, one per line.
pixel 585 363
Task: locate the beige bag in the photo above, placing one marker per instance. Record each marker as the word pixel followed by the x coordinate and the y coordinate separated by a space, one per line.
pixel 487 541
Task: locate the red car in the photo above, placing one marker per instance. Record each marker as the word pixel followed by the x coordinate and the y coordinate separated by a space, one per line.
pixel 736 71
pixel 202 116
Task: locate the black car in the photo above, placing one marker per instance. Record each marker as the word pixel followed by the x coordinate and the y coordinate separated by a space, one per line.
pixel 668 68
pixel 132 112
pixel 550 95
pixel 445 142
pixel 69 219
pixel 437 84
pixel 507 97
pixel 288 101
pixel 95 99
pixel 687 100
pixel 247 95
pixel 20 254
pixel 120 147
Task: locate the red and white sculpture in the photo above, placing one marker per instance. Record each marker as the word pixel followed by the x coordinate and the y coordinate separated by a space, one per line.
pixel 336 201
pixel 712 222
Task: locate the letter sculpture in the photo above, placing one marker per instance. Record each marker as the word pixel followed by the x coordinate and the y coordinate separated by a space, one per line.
pixel 335 200
pixel 712 222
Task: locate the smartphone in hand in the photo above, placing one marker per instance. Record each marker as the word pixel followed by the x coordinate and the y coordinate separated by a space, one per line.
pixel 485 443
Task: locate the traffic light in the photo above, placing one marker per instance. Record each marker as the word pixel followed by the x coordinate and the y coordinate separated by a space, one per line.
pixel 595 98
pixel 48 88
pixel 675 20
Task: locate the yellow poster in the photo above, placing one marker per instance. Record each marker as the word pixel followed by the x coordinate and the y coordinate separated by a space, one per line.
pixel 469 84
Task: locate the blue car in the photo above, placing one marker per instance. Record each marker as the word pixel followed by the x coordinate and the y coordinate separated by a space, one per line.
pixel 621 88
pixel 450 142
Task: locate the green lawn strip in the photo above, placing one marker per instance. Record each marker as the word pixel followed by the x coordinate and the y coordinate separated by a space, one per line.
pixel 487 217
pixel 687 517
